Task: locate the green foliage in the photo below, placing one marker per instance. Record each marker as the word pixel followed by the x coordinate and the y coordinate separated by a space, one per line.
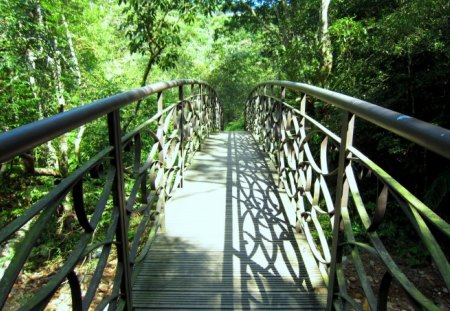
pixel 238 66
pixel 196 53
pixel 439 190
pixel 153 28
pixel 235 125
pixel 286 31
pixel 403 244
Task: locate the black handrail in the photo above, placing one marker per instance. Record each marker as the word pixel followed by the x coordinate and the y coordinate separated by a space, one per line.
pixel 21 139
pixel 181 127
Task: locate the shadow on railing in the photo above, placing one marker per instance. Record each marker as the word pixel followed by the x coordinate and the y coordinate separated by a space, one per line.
pixel 137 172
pixel 322 174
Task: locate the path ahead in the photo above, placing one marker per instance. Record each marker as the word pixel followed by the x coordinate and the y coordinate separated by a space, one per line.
pixel 228 243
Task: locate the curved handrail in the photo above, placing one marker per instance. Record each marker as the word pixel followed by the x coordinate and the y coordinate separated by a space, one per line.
pixel 425 134
pixel 290 134
pixel 167 139
pixel 26 137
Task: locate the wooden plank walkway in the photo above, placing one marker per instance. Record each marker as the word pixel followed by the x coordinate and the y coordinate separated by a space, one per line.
pixel 228 243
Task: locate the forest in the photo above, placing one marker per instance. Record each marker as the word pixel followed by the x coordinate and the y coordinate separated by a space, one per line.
pixel 56 55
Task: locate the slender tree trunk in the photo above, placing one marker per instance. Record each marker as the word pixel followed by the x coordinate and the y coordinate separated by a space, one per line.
pixel 150 63
pixel 2 168
pixel 30 167
pixel 149 66
pixel 34 89
pixel 61 161
pixel 52 159
pixel 32 65
pixel 73 55
pixel 64 159
pixel 325 42
pixel 284 17
pixel 77 71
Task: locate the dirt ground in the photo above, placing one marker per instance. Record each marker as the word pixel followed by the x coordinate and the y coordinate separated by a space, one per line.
pixel 427 279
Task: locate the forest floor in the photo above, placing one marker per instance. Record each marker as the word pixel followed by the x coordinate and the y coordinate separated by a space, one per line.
pixel 28 284
pixel 426 278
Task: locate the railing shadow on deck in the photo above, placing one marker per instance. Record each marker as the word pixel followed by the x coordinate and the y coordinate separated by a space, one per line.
pixel 254 261
pixel 267 251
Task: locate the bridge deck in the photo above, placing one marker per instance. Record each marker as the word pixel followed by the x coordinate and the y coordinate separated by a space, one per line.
pixel 228 243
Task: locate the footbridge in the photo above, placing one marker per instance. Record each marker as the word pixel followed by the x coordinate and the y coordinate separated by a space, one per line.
pixel 177 214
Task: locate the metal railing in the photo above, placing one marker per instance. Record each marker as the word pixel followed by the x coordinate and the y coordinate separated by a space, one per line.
pixel 168 139
pixel 320 172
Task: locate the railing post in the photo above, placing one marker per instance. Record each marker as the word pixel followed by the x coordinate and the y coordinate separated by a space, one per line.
pixel 115 135
pixel 181 129
pixel 247 104
pixel 266 110
pixel 219 114
pixel 301 156
pixel 302 122
pixel 348 122
pixel 161 155
pixel 160 104
pixel 201 109
pixel 160 133
pixel 217 126
pixel 280 129
pixel 208 109
pixel 258 123
pixel 213 108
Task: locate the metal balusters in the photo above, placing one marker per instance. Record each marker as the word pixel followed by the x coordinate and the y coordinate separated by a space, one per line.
pixel 282 129
pixel 115 135
pixel 312 184
pixel 180 128
pixel 155 178
pixel 341 200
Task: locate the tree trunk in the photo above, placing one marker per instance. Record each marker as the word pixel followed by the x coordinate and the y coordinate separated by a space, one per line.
pixel 147 70
pixel 77 71
pixel 325 43
pixel 61 162
pixel 52 159
pixel 285 24
pixel 29 163
pixel 73 55
pixel 64 160
pixel 34 89
pixel 150 63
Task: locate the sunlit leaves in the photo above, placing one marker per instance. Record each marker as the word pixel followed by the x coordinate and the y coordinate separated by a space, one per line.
pixel 346 33
pixel 153 27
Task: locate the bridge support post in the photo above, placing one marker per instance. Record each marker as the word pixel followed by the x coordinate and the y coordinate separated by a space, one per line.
pixel 348 122
pixel 181 129
pixel 281 129
pixel 161 137
pixel 115 140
